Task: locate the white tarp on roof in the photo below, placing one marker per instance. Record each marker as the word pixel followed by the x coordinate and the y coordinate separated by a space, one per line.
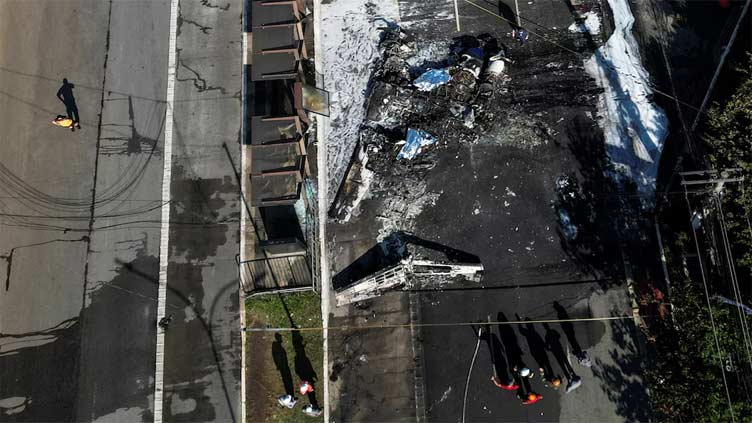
pixel 634 127
pixel 350 39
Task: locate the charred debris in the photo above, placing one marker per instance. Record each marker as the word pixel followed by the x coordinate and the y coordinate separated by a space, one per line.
pixel 413 112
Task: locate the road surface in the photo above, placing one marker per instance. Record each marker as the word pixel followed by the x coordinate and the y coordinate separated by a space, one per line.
pixel 80 211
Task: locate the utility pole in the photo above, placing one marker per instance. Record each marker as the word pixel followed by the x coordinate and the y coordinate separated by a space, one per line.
pixel 692 179
pixel 711 176
pixel 457 15
pixel 726 50
pixel 717 179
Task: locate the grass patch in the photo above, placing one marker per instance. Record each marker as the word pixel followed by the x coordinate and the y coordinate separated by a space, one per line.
pixel 264 379
pixel 304 309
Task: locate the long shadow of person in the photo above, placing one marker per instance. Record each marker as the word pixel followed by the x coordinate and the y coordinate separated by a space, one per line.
pixel 65 94
pixel 303 367
pixel 509 341
pixel 537 348
pixel 567 327
pixel 553 344
pixel 280 361
pixel 499 362
pixel 506 12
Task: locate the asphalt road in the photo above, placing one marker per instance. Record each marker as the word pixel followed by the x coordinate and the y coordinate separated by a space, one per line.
pixel 80 222
pixel 498 202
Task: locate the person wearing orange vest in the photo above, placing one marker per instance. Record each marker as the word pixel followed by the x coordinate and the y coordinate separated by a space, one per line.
pixel 305 387
pixel 64 122
pixel 509 386
pixel 532 398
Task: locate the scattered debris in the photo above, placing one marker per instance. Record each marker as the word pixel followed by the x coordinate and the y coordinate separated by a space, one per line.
pixel 431 79
pixel 412 106
pixel 416 140
pixel 408 273
pixel 589 22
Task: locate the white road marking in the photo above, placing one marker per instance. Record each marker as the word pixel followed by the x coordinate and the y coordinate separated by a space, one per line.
pixel 164 237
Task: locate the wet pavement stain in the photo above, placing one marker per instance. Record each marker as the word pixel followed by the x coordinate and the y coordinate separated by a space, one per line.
pixel 197 204
pixel 43 375
pixel 204 358
pixel 109 385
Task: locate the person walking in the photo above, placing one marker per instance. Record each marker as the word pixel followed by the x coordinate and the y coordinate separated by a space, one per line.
pixel 531 398
pixel 305 388
pixel 164 322
pixel 508 386
pixel 287 400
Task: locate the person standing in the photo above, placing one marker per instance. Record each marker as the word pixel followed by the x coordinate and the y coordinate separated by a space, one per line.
pixel 65 94
pixel 521 34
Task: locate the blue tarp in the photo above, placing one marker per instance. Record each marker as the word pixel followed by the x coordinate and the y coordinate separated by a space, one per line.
pixel 416 140
pixel 431 79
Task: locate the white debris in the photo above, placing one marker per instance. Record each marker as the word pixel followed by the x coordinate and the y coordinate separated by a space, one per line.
pixel 509 192
pixel 591 23
pixel 634 127
pixel 569 230
pixel 350 37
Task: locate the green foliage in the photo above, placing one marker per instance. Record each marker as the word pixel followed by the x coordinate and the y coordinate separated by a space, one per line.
pixel 729 137
pixel 304 309
pixel 685 377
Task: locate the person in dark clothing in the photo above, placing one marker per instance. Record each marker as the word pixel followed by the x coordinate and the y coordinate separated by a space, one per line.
pixel 164 322
pixel 65 94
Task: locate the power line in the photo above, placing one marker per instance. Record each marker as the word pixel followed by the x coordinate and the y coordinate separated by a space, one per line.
pixel 710 308
pixel 734 280
pixel 455 324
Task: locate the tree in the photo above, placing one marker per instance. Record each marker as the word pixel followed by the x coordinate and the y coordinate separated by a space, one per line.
pixel 685 377
pixel 729 137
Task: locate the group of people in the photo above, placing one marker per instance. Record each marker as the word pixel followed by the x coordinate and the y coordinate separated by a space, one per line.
pixel 528 396
pixel 289 401
pixel 511 373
